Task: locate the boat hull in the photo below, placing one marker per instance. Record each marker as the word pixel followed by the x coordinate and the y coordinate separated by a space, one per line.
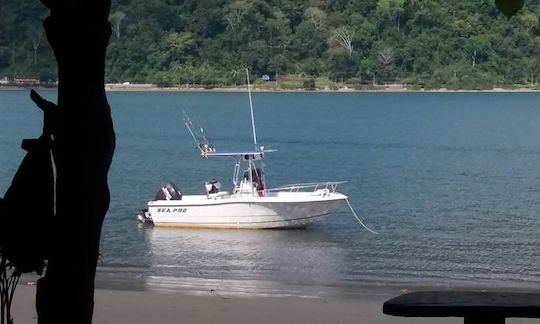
pixel 244 213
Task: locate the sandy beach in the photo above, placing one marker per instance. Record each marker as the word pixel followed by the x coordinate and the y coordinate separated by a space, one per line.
pixel 118 307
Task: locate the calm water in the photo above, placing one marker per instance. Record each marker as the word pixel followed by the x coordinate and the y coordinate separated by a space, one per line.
pixel 450 181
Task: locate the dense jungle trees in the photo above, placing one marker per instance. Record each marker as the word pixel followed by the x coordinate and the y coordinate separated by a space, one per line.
pixel 428 43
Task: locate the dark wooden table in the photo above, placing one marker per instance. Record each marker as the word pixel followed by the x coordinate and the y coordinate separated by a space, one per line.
pixel 474 307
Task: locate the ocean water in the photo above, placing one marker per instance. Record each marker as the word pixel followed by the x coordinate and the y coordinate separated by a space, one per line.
pixel 451 181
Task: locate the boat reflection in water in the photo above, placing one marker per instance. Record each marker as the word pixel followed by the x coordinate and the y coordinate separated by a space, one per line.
pixel 242 262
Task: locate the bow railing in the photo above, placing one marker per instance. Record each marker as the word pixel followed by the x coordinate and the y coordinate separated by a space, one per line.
pixel 331 186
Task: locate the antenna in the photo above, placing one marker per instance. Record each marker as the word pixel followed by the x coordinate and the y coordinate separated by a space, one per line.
pixel 251 107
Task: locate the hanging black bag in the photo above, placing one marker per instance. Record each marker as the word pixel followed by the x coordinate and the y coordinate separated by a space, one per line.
pixel 27 209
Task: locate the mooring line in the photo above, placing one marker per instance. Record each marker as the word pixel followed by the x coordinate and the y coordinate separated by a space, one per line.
pixel 360 221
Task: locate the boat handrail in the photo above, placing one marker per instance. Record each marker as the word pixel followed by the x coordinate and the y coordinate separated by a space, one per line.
pixel 330 185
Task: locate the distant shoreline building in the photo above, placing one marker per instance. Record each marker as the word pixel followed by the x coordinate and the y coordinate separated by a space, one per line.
pixel 26 82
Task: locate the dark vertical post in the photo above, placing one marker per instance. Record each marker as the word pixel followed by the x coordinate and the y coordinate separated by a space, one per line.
pixel 78 31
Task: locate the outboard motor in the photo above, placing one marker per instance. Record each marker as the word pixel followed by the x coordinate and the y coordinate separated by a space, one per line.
pixel 144 216
pixel 168 192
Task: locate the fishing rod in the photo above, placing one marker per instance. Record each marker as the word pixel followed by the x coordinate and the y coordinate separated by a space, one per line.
pixel 251 108
pixel 189 125
pixel 200 139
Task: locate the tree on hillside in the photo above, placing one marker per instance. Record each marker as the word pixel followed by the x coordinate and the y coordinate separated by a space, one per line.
pixel 393 9
pixel 317 17
pixel 344 37
pixel 235 12
pixel 386 58
pixel 36 41
pixel 116 19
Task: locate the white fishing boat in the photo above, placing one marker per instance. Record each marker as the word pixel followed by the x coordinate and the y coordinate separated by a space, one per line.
pixel 245 206
pixel 249 204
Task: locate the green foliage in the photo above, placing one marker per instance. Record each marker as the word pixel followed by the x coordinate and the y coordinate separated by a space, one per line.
pixel 451 44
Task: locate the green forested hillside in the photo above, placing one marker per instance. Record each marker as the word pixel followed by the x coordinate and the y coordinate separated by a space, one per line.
pixel 423 43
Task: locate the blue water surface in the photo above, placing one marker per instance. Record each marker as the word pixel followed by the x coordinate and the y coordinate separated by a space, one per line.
pixel 449 180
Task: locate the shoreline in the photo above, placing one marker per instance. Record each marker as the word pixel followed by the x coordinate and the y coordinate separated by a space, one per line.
pixel 219 301
pixel 138 307
pixel 244 287
pixel 142 307
pixel 340 90
pixel 216 301
pixel 153 88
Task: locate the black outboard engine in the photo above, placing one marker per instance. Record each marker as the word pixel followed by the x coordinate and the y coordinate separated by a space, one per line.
pixel 168 192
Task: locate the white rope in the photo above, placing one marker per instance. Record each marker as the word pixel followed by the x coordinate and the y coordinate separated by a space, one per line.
pixel 359 221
